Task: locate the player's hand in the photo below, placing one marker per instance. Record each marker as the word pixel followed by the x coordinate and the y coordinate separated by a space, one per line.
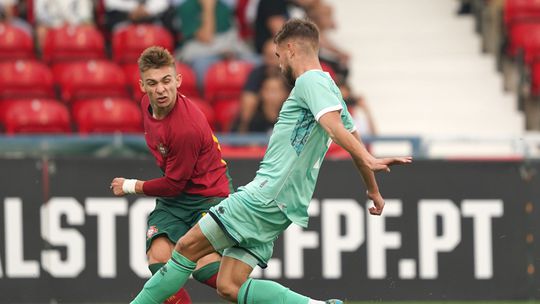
pixel 383 164
pixel 378 203
pixel 116 186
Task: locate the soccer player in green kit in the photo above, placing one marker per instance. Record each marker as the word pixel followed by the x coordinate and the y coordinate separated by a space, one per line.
pixel 245 225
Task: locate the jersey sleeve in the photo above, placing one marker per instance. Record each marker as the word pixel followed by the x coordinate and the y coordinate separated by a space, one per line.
pixel 319 94
pixel 347 119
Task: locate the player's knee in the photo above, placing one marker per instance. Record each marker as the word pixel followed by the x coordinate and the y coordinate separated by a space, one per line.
pixel 227 290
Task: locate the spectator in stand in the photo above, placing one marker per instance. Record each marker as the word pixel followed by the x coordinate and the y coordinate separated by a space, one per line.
pixel 249 100
pixel 363 120
pixel 271 96
pixel 330 52
pixel 269 15
pixel 119 13
pixel 8 9
pixel 58 13
pixel 208 33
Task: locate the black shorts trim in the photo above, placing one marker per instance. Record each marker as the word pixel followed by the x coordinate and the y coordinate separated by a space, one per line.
pixel 220 224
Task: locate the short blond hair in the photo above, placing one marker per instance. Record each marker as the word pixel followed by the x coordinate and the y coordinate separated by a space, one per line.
pixel 155 57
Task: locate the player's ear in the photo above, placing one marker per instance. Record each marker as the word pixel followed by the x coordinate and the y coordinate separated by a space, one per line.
pixel 141 86
pixel 291 48
pixel 178 80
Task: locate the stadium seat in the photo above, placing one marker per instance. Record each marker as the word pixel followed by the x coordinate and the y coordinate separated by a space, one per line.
pixel 188 86
pixel 90 79
pixel 107 115
pixel 189 80
pixel 531 44
pixel 25 79
pixel 207 110
pixel 325 67
pixel 129 42
pixel 225 80
pixel 35 116
pixel 15 43
pixel 70 43
pixel 226 111
pixel 518 36
pixel 521 11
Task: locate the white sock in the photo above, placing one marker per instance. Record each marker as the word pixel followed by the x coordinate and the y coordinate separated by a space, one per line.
pixel 311 301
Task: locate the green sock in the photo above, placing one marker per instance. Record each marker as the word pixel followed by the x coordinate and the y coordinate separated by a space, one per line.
pixel 166 281
pixel 268 292
pixel 207 274
pixel 155 267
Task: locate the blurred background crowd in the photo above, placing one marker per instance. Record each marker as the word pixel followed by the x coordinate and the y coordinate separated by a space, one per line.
pixel 70 65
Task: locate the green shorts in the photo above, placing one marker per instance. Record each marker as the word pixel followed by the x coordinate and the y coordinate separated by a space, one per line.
pixel 173 217
pixel 253 226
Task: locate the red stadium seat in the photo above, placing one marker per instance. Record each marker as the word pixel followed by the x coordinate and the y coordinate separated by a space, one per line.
pixel 129 42
pixel 25 79
pixel 521 11
pixel 531 44
pixel 188 86
pixel 225 80
pixel 90 79
pixel 518 36
pixel 325 67
pixel 70 43
pixel 207 109
pixel 226 112
pixel 189 80
pixel 15 43
pixel 35 116
pixel 107 115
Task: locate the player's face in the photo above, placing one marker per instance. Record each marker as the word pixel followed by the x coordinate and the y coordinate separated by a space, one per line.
pixel 161 85
pixel 283 54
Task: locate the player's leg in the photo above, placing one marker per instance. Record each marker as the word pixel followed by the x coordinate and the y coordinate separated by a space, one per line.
pixel 235 285
pixel 207 269
pixel 174 274
pixel 158 254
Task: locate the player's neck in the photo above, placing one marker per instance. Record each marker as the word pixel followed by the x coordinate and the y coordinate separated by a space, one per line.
pixel 305 65
pixel 161 113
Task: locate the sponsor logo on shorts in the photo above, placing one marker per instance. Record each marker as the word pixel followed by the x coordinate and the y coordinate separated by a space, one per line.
pixel 221 210
pixel 151 231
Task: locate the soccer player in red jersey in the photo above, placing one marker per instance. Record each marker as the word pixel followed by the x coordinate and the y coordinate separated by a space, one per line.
pixel 194 178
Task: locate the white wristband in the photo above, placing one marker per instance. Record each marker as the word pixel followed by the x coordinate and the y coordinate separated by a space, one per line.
pixel 129 186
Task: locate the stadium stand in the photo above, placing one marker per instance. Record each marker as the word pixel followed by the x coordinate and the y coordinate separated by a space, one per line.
pixel 129 41
pixel 25 79
pixel 34 116
pixel 69 43
pixel 107 115
pixel 15 43
pixel 424 73
pixel 226 111
pixel 88 79
pixel 225 79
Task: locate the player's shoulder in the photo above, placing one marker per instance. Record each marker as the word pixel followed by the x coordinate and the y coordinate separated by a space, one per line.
pixel 311 77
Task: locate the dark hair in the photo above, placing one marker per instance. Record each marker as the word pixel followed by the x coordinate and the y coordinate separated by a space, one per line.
pixel 299 28
pixel 155 57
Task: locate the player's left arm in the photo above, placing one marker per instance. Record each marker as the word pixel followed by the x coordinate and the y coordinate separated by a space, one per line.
pixel 180 163
pixel 364 161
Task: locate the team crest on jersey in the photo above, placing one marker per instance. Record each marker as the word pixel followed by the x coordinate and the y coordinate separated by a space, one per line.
pixel 151 231
pixel 163 150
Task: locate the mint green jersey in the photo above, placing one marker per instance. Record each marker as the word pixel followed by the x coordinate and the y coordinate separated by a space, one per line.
pixel 289 170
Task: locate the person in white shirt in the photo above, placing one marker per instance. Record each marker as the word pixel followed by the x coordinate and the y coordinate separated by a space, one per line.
pixel 119 13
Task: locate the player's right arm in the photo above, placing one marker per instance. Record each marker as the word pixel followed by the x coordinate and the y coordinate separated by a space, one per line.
pixel 364 161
